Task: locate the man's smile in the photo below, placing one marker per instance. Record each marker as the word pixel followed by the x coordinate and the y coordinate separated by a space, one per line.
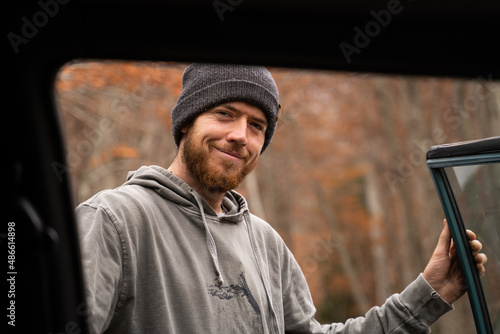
pixel 231 154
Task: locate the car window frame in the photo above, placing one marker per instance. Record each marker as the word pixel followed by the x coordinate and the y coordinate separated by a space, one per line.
pixel 478 152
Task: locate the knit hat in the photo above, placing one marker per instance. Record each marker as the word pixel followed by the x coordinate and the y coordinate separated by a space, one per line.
pixel 207 85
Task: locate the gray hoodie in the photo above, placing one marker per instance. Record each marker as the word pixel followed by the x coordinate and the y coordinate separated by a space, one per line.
pixel 158 259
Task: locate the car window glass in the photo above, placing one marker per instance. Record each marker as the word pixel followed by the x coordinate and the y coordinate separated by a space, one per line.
pixel 477 192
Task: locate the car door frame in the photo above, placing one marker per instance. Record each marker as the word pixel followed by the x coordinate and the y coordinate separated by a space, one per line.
pixel 469 153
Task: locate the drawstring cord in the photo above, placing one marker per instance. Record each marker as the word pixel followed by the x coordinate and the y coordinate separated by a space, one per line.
pixel 263 274
pixel 212 248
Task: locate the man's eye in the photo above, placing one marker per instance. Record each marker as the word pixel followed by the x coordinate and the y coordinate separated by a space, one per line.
pixel 258 126
pixel 223 113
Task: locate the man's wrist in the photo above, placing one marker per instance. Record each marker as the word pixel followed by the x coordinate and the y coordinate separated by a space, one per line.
pixel 447 291
pixel 424 302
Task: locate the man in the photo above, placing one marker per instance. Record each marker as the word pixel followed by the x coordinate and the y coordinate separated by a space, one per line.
pixel 177 251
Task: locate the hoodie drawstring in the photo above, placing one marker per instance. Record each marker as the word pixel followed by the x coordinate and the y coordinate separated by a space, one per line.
pixel 212 248
pixel 263 274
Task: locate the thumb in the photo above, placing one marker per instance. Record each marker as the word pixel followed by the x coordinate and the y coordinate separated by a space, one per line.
pixel 444 242
pixel 436 270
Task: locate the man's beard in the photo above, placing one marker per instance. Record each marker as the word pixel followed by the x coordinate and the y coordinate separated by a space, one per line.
pixel 215 178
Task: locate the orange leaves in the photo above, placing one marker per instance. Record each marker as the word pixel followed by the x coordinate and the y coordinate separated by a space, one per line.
pixel 120 151
pixel 128 76
pixel 124 151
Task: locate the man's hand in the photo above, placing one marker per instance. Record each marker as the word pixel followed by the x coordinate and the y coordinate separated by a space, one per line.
pixel 443 271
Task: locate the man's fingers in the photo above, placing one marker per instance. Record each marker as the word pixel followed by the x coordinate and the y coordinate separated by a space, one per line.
pixel 476 246
pixel 480 258
pixel 471 235
pixel 445 246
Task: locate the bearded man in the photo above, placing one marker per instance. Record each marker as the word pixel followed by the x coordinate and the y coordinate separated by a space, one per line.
pixel 177 251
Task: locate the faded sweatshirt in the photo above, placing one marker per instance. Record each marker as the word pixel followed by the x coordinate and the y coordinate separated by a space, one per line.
pixel 158 259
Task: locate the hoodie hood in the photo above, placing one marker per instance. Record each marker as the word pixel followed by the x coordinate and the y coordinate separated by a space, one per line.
pixel 174 189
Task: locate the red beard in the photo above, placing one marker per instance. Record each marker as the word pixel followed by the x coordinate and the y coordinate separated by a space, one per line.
pixel 215 177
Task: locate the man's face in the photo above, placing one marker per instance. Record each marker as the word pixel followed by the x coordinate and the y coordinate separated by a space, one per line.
pixel 223 145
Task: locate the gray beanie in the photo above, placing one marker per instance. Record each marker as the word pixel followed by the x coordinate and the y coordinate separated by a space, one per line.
pixel 207 85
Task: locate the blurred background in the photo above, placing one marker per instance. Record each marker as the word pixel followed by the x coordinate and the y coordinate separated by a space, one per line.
pixel 344 182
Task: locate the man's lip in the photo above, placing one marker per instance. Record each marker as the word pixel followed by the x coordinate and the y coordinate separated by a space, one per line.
pixel 231 153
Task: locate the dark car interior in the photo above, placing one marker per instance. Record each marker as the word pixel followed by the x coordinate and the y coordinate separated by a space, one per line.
pixel 447 38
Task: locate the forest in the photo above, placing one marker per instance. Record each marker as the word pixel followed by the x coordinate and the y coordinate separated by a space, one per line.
pixel 344 181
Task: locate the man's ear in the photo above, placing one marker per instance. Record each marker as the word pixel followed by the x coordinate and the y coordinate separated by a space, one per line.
pixel 185 129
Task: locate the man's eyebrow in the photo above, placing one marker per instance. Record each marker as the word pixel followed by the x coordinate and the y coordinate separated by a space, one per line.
pixel 229 106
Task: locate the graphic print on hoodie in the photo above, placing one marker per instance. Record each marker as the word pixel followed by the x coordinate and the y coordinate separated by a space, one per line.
pixel 236 296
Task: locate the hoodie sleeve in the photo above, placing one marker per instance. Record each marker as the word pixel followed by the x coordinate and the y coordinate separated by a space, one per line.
pixel 411 311
pixel 102 259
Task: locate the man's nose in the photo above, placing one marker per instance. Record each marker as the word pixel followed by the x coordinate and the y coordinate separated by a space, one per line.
pixel 238 132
